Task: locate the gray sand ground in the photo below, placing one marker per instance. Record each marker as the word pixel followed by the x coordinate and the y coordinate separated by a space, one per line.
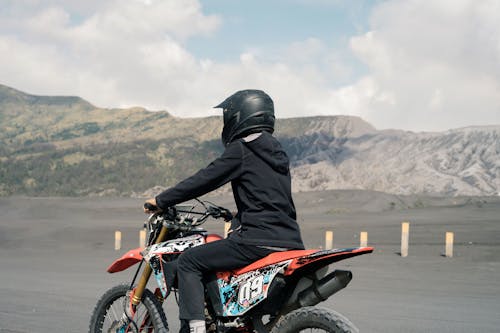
pixel 54 253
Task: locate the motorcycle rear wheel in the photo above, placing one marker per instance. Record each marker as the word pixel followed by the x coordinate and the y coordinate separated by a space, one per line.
pixel 314 319
pixel 109 311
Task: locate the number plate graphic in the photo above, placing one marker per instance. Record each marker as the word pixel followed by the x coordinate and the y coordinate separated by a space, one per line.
pixel 240 293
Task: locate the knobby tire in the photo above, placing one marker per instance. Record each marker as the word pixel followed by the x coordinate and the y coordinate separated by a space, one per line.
pixel 103 311
pixel 314 318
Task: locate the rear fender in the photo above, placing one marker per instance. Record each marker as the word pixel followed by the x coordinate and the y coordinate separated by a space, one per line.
pixel 130 258
pixel 326 257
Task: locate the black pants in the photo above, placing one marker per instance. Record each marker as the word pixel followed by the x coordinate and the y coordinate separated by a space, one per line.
pixel 217 256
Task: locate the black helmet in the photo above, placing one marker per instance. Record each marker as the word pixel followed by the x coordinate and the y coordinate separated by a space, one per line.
pixel 246 112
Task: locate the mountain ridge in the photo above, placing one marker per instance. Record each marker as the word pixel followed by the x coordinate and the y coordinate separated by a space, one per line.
pixel 54 145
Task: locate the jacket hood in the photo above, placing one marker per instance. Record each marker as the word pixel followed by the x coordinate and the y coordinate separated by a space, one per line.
pixel 270 150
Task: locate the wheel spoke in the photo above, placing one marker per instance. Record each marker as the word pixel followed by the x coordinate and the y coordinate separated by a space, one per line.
pixel 114 313
pixel 108 316
pixel 112 308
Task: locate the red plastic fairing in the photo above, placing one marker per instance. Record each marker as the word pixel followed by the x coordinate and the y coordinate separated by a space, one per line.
pixel 128 259
pixel 329 256
pixel 224 275
pixel 212 238
pixel 274 258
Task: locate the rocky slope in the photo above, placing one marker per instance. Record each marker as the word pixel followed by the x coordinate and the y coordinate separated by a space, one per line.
pixel 457 162
pixel 66 146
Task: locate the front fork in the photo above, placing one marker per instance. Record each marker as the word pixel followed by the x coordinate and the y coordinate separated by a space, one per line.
pixel 146 273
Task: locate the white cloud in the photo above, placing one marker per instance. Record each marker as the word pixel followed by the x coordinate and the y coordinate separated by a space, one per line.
pixel 438 60
pixel 132 53
pixel 127 53
pixel 431 65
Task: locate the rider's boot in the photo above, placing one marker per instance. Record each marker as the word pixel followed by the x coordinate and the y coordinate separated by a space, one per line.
pixel 184 326
pixel 197 326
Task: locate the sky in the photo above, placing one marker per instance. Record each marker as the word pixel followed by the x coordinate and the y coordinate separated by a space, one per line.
pixel 407 64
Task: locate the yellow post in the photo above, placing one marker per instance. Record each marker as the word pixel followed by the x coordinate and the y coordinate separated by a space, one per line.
pixel 449 245
pixel 118 240
pixel 329 240
pixel 363 239
pixel 227 226
pixel 142 238
pixel 405 236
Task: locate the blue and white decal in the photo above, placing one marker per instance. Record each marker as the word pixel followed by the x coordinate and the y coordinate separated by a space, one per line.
pixel 242 292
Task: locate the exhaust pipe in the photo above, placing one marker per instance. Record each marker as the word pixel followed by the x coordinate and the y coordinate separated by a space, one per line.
pixel 322 289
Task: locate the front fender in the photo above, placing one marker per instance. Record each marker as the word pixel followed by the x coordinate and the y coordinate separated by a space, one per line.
pixel 130 258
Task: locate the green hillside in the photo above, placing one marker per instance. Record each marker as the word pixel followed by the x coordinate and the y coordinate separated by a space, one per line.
pixel 66 146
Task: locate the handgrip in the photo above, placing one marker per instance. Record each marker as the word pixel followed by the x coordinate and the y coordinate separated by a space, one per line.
pixel 220 212
pixel 150 207
pixel 226 214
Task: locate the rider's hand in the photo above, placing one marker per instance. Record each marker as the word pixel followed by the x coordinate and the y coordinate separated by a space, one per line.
pixel 151 202
pixel 235 224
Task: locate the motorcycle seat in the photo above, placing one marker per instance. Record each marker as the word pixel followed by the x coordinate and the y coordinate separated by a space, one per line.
pixel 274 258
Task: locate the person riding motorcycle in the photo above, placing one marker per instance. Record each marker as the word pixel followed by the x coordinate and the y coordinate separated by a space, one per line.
pixel 258 169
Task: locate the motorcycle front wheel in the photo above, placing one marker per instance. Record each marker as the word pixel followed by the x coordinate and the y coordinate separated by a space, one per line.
pixel 314 319
pixel 110 314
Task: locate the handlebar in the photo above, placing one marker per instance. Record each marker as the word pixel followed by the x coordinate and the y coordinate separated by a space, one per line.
pixel 150 207
pixel 220 212
pixel 180 216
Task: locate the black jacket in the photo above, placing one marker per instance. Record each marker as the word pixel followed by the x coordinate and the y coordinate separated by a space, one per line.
pixel 260 178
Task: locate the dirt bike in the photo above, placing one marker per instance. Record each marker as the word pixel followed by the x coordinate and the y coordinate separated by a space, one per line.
pixel 277 293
